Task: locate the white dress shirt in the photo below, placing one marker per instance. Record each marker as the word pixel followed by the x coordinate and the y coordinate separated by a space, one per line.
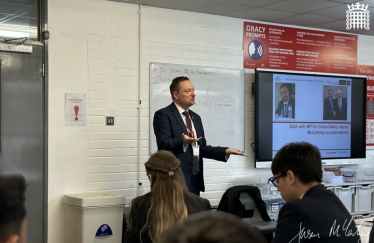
pixel 181 110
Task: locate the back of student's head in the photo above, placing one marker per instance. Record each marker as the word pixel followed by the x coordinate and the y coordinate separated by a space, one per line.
pixel 166 175
pixel 212 227
pixel 12 206
pixel 168 194
pixel 302 158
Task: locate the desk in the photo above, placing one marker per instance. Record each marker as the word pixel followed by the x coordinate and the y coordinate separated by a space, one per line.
pixel 265 226
pixel 363 229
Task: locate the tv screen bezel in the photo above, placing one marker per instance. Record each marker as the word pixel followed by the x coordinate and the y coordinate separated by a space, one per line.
pixel 325 161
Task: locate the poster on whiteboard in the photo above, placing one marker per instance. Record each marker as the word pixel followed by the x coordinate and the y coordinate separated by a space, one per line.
pixel 287 48
pixel 75 109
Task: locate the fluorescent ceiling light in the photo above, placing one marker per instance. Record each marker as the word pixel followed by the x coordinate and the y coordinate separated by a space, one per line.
pixel 13 34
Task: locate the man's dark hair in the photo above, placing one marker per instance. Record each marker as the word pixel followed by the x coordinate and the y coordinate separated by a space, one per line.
pixel 174 86
pixel 302 158
pixel 12 204
pixel 285 85
pixel 212 227
pixel 330 90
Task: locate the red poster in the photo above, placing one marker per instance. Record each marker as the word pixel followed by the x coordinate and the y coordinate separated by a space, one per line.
pixel 279 47
pixel 369 72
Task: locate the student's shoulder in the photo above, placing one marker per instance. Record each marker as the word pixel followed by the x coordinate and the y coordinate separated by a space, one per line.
pixel 205 203
pixel 295 210
pixel 298 205
pixel 144 199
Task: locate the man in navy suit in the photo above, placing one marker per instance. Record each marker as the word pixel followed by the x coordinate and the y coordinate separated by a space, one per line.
pixel 287 103
pixel 328 107
pixel 181 131
pixel 340 106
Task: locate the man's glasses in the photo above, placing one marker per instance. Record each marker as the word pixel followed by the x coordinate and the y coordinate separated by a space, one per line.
pixel 274 180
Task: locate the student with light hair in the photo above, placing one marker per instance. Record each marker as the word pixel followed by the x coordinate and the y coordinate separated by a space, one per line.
pixel 168 202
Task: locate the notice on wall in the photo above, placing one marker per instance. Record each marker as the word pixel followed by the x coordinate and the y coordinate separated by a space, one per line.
pixel 369 72
pixel 75 109
pixel 287 48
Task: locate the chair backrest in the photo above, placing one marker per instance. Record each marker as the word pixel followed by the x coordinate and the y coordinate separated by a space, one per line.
pixel 250 210
pixel 245 202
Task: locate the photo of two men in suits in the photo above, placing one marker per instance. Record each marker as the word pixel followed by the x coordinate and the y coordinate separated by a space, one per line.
pixel 335 108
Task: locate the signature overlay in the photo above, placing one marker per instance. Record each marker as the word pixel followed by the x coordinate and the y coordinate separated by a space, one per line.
pixel 305 234
pixel 336 230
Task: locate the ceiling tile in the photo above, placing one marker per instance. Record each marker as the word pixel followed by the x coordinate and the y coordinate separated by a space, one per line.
pixel 340 25
pixel 304 20
pixel 325 14
pixel 336 12
pixel 218 8
pixel 256 3
pixel 362 32
pixel 262 14
pixel 172 4
pixel 343 1
pixel 352 1
pixel 301 6
pixel 370 3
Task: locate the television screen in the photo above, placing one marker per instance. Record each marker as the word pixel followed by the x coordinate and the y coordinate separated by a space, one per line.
pixel 327 110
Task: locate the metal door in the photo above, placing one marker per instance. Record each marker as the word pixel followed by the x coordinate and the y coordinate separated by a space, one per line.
pixel 22 130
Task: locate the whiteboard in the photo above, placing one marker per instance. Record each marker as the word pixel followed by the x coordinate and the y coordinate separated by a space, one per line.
pixel 219 101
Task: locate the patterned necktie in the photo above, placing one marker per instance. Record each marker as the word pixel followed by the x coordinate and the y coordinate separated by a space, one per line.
pixel 332 107
pixel 286 108
pixel 340 104
pixel 195 160
pixel 188 122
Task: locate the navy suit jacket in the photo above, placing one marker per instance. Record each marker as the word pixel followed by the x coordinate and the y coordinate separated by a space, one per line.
pixel 319 215
pixel 168 126
pixel 291 102
pixel 328 111
pixel 341 114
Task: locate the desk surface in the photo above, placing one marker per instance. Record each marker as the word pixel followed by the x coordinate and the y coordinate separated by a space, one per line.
pixel 264 226
pixel 364 229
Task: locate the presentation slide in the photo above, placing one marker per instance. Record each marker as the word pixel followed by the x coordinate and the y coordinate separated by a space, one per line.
pixel 313 109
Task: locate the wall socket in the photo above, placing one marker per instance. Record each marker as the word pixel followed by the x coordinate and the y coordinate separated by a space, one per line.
pixel 110 120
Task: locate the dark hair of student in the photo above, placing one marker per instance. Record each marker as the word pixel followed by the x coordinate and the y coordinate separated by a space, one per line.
pixel 212 227
pixel 174 86
pixel 12 205
pixel 168 195
pixel 302 158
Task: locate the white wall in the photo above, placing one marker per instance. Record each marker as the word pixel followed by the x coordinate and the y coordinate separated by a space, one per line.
pixel 365 54
pixel 93 49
